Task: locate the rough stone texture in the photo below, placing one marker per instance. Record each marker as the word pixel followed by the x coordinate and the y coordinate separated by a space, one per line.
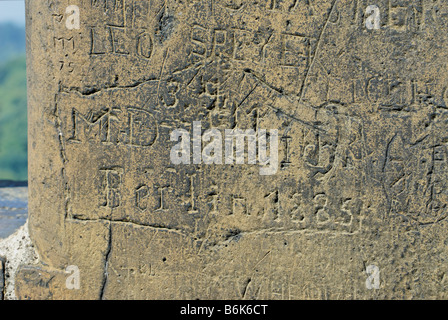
pixel 363 173
pixel 17 251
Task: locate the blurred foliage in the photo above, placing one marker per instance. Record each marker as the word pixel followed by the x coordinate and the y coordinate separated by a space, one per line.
pixel 12 41
pixel 13 104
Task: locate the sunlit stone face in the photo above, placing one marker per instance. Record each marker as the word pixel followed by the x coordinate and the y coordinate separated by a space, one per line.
pixel 350 98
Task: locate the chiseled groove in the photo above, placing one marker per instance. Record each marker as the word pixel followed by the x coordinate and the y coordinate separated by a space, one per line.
pixel 155 227
pixel 106 263
pixel 94 90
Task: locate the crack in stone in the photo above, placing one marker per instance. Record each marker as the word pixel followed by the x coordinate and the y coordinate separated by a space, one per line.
pixel 154 226
pixel 58 126
pixel 106 263
pixel 88 91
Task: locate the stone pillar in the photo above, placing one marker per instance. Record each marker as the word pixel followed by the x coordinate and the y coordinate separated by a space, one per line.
pixel 340 193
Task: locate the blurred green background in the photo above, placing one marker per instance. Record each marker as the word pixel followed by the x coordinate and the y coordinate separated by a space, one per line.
pixel 13 110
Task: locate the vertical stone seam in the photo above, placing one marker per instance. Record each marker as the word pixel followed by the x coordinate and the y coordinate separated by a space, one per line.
pixel 106 263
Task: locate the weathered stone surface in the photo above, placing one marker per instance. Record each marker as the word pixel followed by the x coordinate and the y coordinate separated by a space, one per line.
pixel 361 186
pixel 18 251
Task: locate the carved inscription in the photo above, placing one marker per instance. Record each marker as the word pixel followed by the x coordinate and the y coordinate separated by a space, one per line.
pixel 352 94
pixel 113 126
